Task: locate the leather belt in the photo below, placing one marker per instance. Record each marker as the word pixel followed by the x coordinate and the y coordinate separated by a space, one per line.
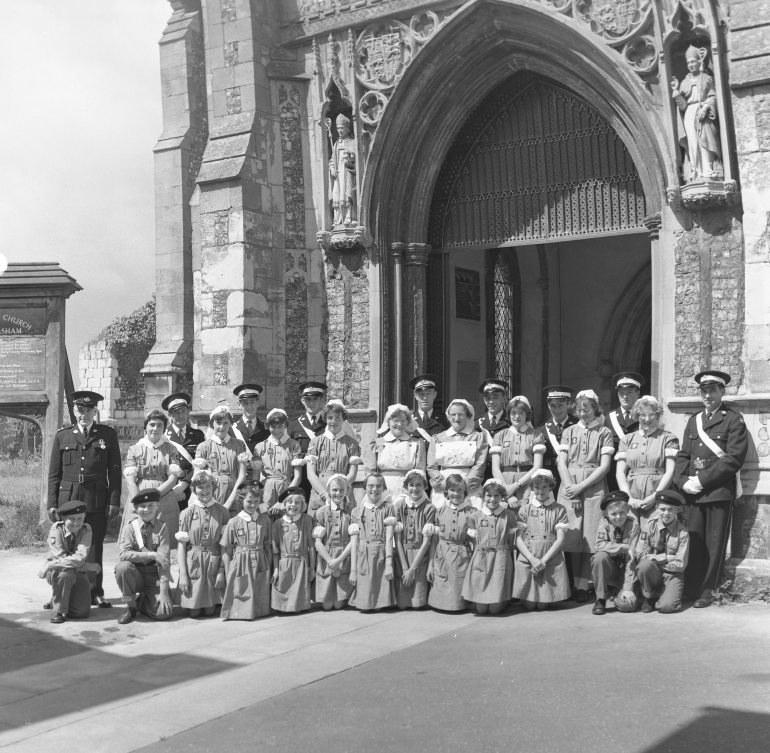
pixel 81 478
pixel 699 464
pixel 646 472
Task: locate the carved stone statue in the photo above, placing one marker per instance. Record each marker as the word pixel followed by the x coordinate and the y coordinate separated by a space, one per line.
pixel 695 98
pixel 342 173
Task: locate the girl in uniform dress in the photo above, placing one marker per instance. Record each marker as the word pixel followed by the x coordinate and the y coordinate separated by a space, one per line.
pixel 489 578
pixel 278 458
pixel 450 547
pixel 246 555
pixel 153 463
pixel 517 452
pixel 413 531
pixel 293 554
pixel 646 459
pixel 460 449
pixel 396 452
pixel 333 545
pixel 584 460
pixel 541 577
pixel 226 456
pixel 201 571
pixel 371 528
pixel 334 451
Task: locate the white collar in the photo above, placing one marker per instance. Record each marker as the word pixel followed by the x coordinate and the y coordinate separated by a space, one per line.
pixel 216 439
pixel 332 505
pixel 85 431
pixel 595 422
pixel 487 511
pixel 369 505
pixel 412 505
pixel 535 502
pixel 461 506
pixel 172 426
pixel 391 437
pixel 331 435
pixel 527 427
pixel 280 441
pixel 246 420
pixel 705 411
pixel 427 413
pixel 453 432
pixel 245 516
pixel 195 501
pixel 311 416
pixel 288 519
pixel 495 416
pixel 152 445
pixel 648 434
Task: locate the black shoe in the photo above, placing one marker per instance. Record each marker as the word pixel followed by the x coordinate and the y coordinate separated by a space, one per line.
pixel 648 605
pixel 582 596
pixel 128 616
pixel 703 602
pixel 101 602
pixel 600 607
pixel 57 618
pixel 48 605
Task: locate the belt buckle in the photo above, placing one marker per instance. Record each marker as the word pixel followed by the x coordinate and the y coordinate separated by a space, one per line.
pixel 698 463
pixel 81 478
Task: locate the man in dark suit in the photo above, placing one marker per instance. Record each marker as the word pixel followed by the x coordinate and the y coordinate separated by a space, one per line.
pixel 429 422
pixel 707 471
pixel 85 465
pixel 185 438
pixel 558 398
pixel 309 424
pixel 495 418
pixel 248 427
pixel 619 421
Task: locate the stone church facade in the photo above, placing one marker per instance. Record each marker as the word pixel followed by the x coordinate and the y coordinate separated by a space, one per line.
pixel 541 191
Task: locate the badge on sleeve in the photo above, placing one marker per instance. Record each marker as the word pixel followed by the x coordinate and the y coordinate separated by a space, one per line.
pixel 602 535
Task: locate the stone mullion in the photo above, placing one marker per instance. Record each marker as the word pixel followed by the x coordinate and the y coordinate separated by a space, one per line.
pixel 415 313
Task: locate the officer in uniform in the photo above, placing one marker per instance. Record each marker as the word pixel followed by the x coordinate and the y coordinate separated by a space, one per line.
pixel 558 398
pixel 85 465
pixel 309 424
pixel 185 438
pixel 248 427
pixel 429 421
pixel 629 388
pixel 707 472
pixel 495 418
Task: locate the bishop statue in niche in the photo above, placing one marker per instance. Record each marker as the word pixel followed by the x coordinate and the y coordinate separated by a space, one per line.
pixel 342 173
pixel 696 100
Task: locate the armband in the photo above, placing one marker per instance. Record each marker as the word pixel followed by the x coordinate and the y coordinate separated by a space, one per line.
pixel 183 537
pixel 319 532
pixel 428 529
pixel 355 460
pixel 621 455
pixel 311 459
pixel 354 529
pixel 563 448
pixel 297 462
pixel 671 452
pixel 391 520
pixel 538 448
pixel 131 471
pixel 495 449
pixel 608 451
pixel 398 527
pixel 175 470
pixel 244 457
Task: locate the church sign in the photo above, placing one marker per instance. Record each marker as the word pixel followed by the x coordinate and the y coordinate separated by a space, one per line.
pixel 22 349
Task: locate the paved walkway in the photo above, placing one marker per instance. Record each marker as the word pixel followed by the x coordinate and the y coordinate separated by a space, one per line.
pixel 392 681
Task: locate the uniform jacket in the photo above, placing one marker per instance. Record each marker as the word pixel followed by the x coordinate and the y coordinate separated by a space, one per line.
pixel 629 426
pixel 437 423
pixel 605 542
pixel 192 438
pixel 259 433
pixel 483 424
pixel 551 457
pixel 677 545
pixel 68 553
pixel 85 469
pixel 716 475
pixel 155 538
pixel 298 434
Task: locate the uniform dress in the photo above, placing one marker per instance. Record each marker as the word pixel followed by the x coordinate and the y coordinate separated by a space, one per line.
pixel 645 457
pixel 292 540
pixel 223 460
pixel 71 587
pixel 150 465
pixel 204 526
pixel 464 453
pixel 489 578
pixel 394 458
pixel 491 426
pixel 136 576
pixel 188 439
pixel 87 468
pixel 551 432
pixel 627 426
pixel 330 454
pixel 373 590
pixel 517 450
pixel 247 595
pixel 331 526
pixel 613 569
pixel 413 517
pixel 709 511
pixel 538 526
pixel 663 581
pixel 302 430
pixel 585 446
pixel 277 469
pixel 452 556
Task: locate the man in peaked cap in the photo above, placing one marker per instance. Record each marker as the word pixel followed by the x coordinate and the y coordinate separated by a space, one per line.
pixel 249 428
pixel 429 421
pixel 628 386
pixel 558 398
pixel 185 439
pixel 310 424
pixel 85 465
pixel 495 418
pixel 707 471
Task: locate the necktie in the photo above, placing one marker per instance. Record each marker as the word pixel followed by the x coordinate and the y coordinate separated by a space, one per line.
pixel 662 539
pixel 492 422
pixel 708 416
pixel 625 416
pixel 69 540
pixel 618 535
pixel 313 422
pixel 249 426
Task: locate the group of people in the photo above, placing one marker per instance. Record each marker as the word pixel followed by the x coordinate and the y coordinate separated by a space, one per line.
pixel 456 511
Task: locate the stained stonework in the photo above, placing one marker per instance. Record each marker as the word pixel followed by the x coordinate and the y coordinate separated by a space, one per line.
pixel 233 100
pixel 293 165
pixel 231 54
pixel 296 338
pixel 228 10
pixel 348 330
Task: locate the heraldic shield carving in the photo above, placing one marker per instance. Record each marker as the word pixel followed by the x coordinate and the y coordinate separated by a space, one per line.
pixel 615 20
pixel 383 53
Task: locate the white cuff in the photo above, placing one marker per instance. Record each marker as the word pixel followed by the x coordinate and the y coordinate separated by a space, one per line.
pixel 354 529
pixel 671 452
pixel 608 451
pixel 131 471
pixel 297 463
pixel 391 520
pixel 620 455
pixel 175 470
pixel 495 450
pixel 182 537
pixel 538 448
pixel 319 532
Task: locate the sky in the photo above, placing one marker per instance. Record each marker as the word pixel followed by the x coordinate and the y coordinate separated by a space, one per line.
pixel 80 112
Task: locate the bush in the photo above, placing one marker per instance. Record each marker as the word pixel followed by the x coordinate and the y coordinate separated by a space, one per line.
pixel 20 504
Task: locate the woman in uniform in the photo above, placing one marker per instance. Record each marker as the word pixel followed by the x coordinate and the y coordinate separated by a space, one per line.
pixel 278 458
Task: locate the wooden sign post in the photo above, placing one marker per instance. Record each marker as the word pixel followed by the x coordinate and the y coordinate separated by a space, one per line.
pixel 33 360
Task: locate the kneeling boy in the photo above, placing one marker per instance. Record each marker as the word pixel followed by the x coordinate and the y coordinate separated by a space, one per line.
pixel 662 556
pixel 143 570
pixel 66 568
pixel 613 562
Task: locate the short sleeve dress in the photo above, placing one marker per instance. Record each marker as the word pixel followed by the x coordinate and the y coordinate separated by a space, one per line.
pixel 223 460
pixel 412 518
pixel 335 536
pixel 394 458
pixel 452 557
pixel 150 465
pixel 277 469
pixel 517 450
pixel 645 457
pixel 373 590
pixel 292 539
pixel 329 455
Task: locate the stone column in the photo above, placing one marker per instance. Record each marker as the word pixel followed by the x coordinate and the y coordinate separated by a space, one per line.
pixel 178 156
pixel 415 314
pixel 397 250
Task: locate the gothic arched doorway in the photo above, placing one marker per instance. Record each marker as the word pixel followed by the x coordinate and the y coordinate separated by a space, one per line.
pixel 536 225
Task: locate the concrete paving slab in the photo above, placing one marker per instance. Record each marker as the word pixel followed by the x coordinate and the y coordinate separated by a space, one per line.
pixel 11 695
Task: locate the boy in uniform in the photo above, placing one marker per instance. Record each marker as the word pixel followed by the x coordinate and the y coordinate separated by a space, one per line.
pixel 662 555
pixel 310 424
pixel 612 565
pixel 558 398
pixel 68 543
pixel 185 439
pixel 707 471
pixel 143 571
pixel 629 388
pixel 495 418
pixel 248 428
pixel 429 421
